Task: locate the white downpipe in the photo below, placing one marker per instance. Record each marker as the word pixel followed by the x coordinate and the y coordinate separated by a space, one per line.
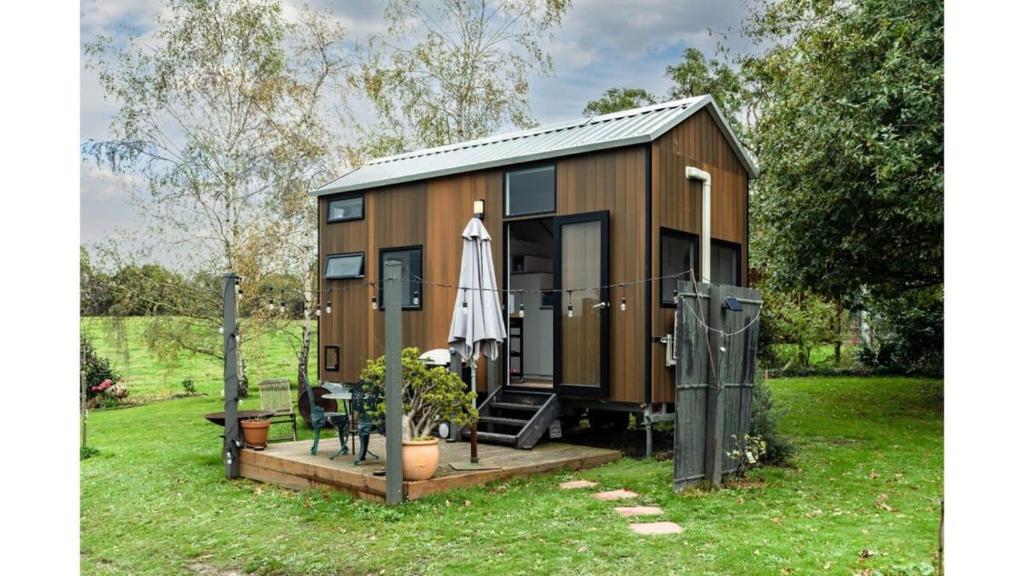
pixel 705 222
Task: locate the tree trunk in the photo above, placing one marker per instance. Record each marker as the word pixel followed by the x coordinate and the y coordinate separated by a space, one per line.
pixel 307 336
pixel 839 334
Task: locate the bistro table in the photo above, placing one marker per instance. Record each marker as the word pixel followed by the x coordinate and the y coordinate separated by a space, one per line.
pixel 343 394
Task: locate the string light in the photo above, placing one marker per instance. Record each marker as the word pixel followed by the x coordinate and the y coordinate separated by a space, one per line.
pixel 622 304
pixel 416 298
pixel 220 329
pixel 522 311
pixel 570 303
pixel 317 311
pixel 328 307
pixel 373 302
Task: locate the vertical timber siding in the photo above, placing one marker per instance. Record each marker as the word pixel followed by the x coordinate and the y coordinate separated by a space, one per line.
pixel 676 203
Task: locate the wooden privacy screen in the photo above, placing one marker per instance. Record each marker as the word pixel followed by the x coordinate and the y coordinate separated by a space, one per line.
pixel 716 355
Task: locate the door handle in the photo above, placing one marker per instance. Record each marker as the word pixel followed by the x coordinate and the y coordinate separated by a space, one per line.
pixel 600 305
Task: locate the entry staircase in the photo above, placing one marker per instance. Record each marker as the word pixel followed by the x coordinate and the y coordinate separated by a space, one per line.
pixel 517 418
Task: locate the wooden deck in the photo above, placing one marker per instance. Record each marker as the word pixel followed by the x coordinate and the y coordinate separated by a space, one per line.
pixel 289 464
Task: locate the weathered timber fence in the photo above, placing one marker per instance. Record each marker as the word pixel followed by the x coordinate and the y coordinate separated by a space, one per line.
pixel 716 352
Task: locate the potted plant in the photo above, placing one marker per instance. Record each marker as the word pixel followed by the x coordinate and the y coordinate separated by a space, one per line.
pixel 255 430
pixel 430 395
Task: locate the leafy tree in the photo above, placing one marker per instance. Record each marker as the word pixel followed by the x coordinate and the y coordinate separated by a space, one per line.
pixel 93 285
pixel 695 75
pixel 850 145
pixel 616 99
pixel 222 116
pixel 457 70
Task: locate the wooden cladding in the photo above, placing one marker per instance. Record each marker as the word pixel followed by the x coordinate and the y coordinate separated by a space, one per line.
pixel 433 213
pixel 676 204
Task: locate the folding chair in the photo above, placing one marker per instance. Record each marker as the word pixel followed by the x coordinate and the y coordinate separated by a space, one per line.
pixel 276 397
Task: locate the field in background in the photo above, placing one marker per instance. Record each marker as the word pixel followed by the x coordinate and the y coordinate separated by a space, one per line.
pixel 864 492
pixel 150 378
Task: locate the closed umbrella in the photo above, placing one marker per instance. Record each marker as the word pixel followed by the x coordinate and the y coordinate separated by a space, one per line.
pixel 477 323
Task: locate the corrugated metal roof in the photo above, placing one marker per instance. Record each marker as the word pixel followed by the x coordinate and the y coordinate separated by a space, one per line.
pixel 624 128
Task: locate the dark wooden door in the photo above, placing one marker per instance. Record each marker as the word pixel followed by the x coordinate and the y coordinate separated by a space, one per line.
pixel 581 309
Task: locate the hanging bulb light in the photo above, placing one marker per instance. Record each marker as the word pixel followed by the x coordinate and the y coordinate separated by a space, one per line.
pixel 328 307
pixel 622 304
pixel 570 303
pixel 317 311
pixel 675 295
pixel 270 305
pixel 373 302
pixel 522 311
pixel 416 298
pixel 282 307
pixel 221 329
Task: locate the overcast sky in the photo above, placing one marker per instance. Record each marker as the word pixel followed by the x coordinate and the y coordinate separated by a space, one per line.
pixel 601 44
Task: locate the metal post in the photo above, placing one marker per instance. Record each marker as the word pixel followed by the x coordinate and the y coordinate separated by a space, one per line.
pixel 232 433
pixel 393 379
pixel 715 430
pixel 473 457
pixel 455 366
pixel 649 430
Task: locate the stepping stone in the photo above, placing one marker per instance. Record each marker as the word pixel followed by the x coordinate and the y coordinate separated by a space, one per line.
pixel 656 528
pixel 574 484
pixel 639 510
pixel 615 495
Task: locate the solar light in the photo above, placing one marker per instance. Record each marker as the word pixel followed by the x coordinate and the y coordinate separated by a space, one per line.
pixel 732 304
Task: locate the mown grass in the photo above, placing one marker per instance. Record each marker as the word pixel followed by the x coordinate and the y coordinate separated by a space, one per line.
pixel 864 492
pixel 150 377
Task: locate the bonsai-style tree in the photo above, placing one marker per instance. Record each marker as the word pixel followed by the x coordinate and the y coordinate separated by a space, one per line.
pixel 430 395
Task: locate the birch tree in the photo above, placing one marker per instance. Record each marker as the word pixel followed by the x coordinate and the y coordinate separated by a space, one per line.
pixel 223 116
pixel 458 69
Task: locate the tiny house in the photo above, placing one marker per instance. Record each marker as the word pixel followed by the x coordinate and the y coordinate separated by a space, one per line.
pixel 611 207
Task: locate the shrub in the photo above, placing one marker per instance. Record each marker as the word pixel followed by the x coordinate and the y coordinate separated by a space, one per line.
pixel 764 424
pixel 189 385
pixel 430 395
pixel 99 376
pixel 908 334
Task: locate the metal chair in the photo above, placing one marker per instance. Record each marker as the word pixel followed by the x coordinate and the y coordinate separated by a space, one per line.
pixel 276 397
pixel 362 402
pixel 340 420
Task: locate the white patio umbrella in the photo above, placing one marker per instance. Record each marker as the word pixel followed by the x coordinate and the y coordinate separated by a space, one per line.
pixel 477 323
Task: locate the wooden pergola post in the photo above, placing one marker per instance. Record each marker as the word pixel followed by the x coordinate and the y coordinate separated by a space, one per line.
pixel 232 433
pixel 393 379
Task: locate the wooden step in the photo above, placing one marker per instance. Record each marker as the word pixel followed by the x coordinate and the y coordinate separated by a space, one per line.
pixel 505 421
pixel 514 406
pixel 492 437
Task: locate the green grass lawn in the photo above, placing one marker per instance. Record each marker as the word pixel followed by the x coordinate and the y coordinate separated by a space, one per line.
pixel 864 492
pixel 150 378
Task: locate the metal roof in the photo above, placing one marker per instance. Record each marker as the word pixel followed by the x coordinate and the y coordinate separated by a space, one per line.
pixel 625 128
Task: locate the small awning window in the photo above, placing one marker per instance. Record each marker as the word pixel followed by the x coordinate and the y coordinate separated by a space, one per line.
pixel 342 266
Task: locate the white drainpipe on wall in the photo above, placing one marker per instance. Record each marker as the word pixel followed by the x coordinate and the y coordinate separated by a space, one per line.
pixel 705 230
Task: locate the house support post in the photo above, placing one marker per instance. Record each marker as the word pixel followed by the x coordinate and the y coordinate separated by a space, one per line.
pixel 393 379
pixel 715 430
pixel 232 433
pixel 649 430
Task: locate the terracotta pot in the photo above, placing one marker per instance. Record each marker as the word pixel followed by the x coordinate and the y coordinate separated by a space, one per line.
pixel 255 433
pixel 420 458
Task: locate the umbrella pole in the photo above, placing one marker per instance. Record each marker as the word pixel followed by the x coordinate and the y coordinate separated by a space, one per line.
pixel 473 458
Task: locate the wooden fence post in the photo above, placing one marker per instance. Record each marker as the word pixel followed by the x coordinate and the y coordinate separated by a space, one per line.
pixel 393 379
pixel 232 433
pixel 716 398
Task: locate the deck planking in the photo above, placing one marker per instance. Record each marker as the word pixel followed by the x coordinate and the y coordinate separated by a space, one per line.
pixel 290 465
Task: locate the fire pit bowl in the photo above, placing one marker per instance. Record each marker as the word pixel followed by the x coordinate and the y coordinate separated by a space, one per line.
pixel 219 418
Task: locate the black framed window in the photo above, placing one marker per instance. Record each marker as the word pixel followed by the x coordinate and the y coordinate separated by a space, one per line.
pixel 411 258
pixel 530 191
pixel 345 208
pixel 344 266
pixel 725 263
pixel 679 254
pixel 332 358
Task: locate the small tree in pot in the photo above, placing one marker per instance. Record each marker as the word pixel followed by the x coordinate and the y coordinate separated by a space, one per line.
pixel 431 395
